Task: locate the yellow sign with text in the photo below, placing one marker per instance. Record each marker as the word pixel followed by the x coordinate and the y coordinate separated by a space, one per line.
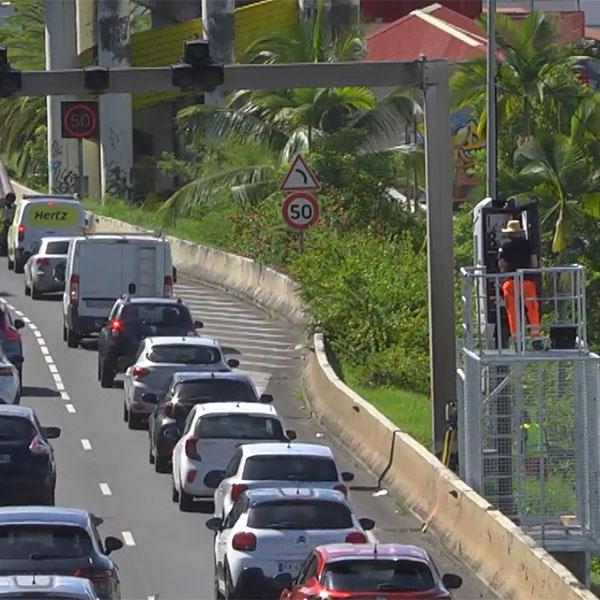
pixel 53 215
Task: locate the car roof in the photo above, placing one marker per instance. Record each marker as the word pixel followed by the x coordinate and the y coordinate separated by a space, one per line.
pixel 183 376
pixel 49 198
pixel 151 300
pixel 279 448
pixel 63 584
pixel 331 552
pixel 259 495
pixel 16 410
pixel 248 408
pixel 52 515
pixel 51 238
pixel 187 340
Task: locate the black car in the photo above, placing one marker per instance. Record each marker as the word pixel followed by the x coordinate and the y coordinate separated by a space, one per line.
pixel 27 467
pixel 58 541
pixel 130 321
pixel 184 391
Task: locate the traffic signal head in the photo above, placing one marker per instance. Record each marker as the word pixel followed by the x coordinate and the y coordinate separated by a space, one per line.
pixel 10 79
pixel 196 72
pixel 196 53
pixel 96 79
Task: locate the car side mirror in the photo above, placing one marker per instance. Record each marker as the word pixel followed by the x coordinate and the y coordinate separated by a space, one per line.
pixel 452 581
pixel 283 581
pixel 290 434
pixel 233 363
pixel 366 524
pixel 131 288
pixel 149 398
pixel 111 544
pixel 198 324
pixel 174 275
pixel 266 398
pixel 19 324
pixel 51 433
pixel 347 476
pixel 214 478
pixel 169 409
pixel 215 524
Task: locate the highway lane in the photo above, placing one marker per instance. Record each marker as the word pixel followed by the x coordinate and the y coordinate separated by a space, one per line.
pixel 104 467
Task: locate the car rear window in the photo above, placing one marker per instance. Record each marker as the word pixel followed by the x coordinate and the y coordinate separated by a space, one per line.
pixel 290 468
pixel 301 514
pixel 14 429
pixel 378 575
pixel 184 354
pixel 239 426
pixel 156 314
pixel 215 390
pixel 57 247
pixel 43 542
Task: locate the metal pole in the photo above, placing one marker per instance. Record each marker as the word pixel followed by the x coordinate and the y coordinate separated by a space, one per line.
pixel 302 241
pixel 492 143
pixel 442 335
pixel 80 159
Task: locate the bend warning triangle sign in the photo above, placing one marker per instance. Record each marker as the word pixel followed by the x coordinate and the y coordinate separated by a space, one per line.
pixel 299 177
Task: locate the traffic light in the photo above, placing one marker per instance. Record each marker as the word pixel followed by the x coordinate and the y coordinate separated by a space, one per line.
pixel 10 79
pixel 96 79
pixel 196 70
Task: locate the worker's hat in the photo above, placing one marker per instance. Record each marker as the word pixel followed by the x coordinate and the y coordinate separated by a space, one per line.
pixel 513 226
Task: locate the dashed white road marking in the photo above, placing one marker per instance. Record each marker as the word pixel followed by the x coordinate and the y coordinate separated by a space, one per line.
pixel 60 386
pixel 28 321
pixel 38 335
pixel 128 538
pixel 20 313
pixel 10 306
pixel 86 444
pixel 105 489
pixel 52 368
pixel 65 396
pixel 44 349
pixel 56 377
pixel 70 408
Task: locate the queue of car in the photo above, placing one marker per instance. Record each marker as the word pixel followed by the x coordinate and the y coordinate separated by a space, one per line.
pixel 284 524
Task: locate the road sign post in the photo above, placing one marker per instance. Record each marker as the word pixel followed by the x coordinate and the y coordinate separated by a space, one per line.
pixel 79 120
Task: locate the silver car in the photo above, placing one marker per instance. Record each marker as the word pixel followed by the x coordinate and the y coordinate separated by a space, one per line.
pixel 45 269
pixel 157 359
pixel 46 586
pixel 9 381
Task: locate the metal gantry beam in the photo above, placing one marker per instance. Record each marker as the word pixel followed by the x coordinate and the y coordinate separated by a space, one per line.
pixel 430 76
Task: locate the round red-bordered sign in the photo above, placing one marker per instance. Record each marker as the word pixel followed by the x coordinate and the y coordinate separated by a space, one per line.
pixel 300 210
pixel 80 121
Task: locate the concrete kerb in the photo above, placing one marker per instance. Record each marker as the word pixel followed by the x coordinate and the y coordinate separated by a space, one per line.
pixel 501 554
pixel 509 561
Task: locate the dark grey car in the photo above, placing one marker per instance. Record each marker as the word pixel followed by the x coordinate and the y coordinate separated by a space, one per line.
pixel 10 338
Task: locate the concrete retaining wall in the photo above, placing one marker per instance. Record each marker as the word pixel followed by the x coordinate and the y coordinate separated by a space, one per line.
pixel 509 561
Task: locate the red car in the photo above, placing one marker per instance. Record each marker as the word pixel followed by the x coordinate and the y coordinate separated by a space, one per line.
pixel 363 571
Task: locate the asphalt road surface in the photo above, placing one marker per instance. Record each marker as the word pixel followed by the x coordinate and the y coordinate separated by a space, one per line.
pixel 103 466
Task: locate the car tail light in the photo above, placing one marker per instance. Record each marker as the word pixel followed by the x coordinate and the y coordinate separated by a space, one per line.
pixel 42 260
pixel 10 333
pixel 340 487
pixel 116 326
pixel 168 285
pixel 21 232
pixel 93 574
pixel 6 371
pixel 244 541
pixel 74 289
pixel 191 475
pixel 39 447
pixel 139 372
pixel 190 448
pixel 356 537
pixel 236 491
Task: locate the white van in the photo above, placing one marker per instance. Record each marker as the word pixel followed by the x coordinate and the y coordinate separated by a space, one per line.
pixel 101 267
pixel 41 216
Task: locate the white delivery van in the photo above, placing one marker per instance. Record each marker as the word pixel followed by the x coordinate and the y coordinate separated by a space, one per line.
pixel 41 216
pixel 101 267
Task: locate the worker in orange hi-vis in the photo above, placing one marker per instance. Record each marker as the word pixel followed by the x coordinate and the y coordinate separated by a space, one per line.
pixel 516 253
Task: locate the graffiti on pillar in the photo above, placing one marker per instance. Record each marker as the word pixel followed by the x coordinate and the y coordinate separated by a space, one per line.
pixel 113 30
pixel 62 180
pixel 117 180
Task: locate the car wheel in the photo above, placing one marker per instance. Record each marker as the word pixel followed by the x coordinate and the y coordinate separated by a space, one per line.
pixel 19 267
pixel 125 411
pixel 186 501
pixel 134 421
pixel 72 338
pixel 11 264
pixel 174 492
pixel 64 334
pixel 150 455
pixel 161 464
pixel 229 589
pixel 51 498
pixel 35 295
pixel 107 376
pixel 218 594
pixel 27 290
pixel 20 371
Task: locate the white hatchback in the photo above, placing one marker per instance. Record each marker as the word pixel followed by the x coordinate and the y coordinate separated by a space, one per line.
pixel 276 465
pixel 271 531
pixel 210 436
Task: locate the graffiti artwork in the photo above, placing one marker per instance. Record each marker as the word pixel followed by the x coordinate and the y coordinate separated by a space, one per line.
pixel 465 141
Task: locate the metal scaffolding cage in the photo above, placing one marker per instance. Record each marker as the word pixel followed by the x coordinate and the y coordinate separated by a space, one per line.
pixel 529 421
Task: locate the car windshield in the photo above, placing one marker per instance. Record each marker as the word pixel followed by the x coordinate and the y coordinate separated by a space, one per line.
pixel 156 314
pixel 378 575
pixel 15 429
pixel 189 354
pixel 300 514
pixel 43 542
pixel 57 248
pixel 290 468
pixel 239 426
pixel 215 390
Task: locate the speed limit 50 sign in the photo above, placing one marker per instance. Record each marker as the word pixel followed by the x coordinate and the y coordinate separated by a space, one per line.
pixel 79 119
pixel 300 210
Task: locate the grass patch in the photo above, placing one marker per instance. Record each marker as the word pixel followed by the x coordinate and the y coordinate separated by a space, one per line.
pixel 409 410
pixel 212 228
